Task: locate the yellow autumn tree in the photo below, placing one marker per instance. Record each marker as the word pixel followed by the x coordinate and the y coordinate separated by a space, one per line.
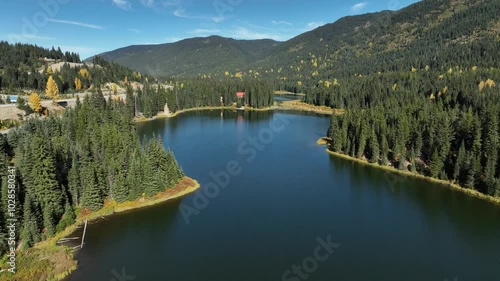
pixel 115 88
pixel 84 73
pixel 481 85
pixel 52 91
pixel 490 83
pixel 35 102
pixel 125 80
pixel 78 84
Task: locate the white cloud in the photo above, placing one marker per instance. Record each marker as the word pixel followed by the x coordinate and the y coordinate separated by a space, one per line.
pixel 358 7
pixel 134 30
pixel 218 19
pixel 79 49
pixel 173 39
pixel 123 4
pixel 181 13
pixel 83 51
pixel 245 33
pixel 82 24
pixel 148 3
pixel 26 37
pixel 313 25
pixel 205 31
pixel 170 3
pixel 280 22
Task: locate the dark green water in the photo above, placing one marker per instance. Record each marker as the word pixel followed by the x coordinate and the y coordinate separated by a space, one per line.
pixel 281 201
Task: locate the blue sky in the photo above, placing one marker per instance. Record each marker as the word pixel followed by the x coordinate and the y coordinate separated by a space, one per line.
pixel 90 27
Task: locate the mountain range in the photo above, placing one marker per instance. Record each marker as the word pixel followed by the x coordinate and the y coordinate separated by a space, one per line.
pixel 433 33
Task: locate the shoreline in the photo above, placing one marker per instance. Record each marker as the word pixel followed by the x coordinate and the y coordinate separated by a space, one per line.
pixel 289 93
pixel 292 105
pixel 444 183
pixel 58 259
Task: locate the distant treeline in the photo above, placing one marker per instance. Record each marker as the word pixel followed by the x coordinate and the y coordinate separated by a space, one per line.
pixel 200 93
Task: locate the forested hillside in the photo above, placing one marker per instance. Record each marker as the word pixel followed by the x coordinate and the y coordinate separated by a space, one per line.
pixel 28 67
pixel 71 164
pixel 429 34
pixel 191 57
pixel 435 33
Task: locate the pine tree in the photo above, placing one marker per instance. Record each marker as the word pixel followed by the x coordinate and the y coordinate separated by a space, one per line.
pixel 91 198
pixel 158 160
pixel 30 232
pixel 130 100
pixel 47 189
pixel 362 140
pixel 175 173
pixel 374 146
pixel 384 150
pixel 436 164
pixel 135 177
pixel 67 219
pixel 402 162
pixel 48 221
pixel 120 191
pixel 459 162
pixel 413 167
pixel 74 183
pixel 491 145
pixel 150 183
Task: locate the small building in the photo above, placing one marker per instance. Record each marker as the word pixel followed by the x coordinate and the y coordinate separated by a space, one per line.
pixel 62 103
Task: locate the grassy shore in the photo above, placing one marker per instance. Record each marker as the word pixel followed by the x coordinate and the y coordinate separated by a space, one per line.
pixel 302 106
pixel 449 184
pixel 285 105
pixel 288 93
pixel 49 261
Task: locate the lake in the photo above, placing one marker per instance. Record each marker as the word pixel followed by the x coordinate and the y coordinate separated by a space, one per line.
pixel 274 205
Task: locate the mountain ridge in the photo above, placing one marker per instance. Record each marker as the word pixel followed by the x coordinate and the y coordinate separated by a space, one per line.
pixel 188 53
pixel 380 41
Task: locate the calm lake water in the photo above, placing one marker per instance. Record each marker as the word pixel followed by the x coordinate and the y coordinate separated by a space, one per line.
pixel 286 199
